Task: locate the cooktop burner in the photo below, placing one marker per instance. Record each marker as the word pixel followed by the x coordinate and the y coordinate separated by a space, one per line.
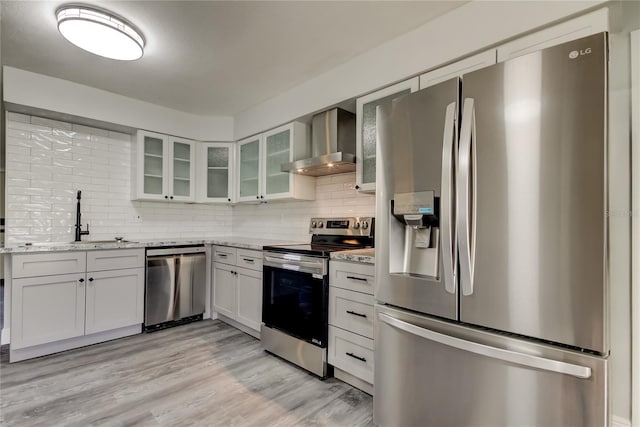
pixel 333 234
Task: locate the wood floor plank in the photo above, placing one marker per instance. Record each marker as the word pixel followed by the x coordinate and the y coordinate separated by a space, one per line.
pixel 205 373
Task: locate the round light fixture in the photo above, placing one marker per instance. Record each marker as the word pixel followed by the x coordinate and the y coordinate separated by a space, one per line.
pixel 100 33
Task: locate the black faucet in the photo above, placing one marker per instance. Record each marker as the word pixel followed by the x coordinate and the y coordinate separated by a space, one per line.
pixel 79 231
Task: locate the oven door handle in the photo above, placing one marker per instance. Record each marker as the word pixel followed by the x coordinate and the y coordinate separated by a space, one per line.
pixel 313 267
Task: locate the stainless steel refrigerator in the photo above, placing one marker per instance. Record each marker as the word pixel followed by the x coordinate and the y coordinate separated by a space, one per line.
pixel 491 246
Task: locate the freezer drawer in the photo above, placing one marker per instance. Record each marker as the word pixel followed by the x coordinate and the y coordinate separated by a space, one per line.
pixel 432 373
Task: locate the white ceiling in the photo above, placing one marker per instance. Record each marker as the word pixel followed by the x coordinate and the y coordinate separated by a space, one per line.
pixel 212 57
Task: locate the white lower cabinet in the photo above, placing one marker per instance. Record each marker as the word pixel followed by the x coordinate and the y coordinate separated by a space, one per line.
pixel 47 309
pixel 114 299
pixel 237 286
pixel 351 323
pixel 74 307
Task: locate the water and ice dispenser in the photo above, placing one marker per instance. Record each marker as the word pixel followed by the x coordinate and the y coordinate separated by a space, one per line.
pixel 414 235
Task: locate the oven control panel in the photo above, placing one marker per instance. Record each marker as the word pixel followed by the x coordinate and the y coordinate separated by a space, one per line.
pixel 357 225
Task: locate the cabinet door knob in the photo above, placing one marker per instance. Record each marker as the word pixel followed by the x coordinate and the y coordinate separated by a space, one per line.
pixel 357 187
pixel 262 197
pixel 91 279
pixel 257 197
pixel 81 280
pixel 171 197
pixel 228 200
pixel 166 197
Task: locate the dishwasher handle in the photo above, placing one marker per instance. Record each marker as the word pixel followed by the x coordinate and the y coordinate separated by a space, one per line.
pixel 176 251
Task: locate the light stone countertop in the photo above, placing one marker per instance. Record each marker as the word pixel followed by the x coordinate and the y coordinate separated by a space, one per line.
pixel 365 256
pixel 234 241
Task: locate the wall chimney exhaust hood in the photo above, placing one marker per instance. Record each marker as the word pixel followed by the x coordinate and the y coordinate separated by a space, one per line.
pixel 333 145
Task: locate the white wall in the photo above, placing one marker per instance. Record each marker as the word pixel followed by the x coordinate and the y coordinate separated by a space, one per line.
pixel 635 262
pixel 48 161
pixel 335 196
pixel 48 93
pixel 469 28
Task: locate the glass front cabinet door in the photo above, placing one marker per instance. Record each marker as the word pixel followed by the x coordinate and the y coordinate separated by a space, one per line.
pixel 260 160
pixel 182 183
pixel 164 168
pixel 217 161
pixel 249 152
pixel 366 130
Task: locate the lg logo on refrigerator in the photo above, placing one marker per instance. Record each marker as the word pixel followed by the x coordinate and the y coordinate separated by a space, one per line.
pixel 575 53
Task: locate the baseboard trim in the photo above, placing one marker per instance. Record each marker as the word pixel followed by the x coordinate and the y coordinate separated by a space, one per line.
pixel 617 421
pixel 237 325
pixel 16 355
pixel 5 337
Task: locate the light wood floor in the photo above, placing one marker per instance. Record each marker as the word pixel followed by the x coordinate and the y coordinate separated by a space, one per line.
pixel 205 373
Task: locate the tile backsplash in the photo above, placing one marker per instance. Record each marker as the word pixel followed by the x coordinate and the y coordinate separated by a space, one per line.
pixel 335 196
pixel 48 161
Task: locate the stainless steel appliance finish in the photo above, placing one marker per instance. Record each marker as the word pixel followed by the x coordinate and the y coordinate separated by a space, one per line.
pixel 461 377
pixel 306 355
pixel 333 145
pixel 175 285
pixel 296 290
pixel 499 230
pixel 412 152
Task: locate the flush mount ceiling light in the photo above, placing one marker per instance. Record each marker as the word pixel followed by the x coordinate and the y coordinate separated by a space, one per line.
pixel 100 33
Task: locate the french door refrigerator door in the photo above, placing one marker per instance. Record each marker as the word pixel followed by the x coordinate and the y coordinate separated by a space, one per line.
pixel 531 195
pixel 416 245
pixel 442 374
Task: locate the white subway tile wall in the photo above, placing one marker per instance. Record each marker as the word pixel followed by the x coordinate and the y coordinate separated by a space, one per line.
pixel 335 196
pixel 48 161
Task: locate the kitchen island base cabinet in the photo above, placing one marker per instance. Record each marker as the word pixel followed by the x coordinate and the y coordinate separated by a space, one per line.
pixel 74 299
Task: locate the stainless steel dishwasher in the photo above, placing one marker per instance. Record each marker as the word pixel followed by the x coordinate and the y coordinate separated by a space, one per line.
pixel 175 286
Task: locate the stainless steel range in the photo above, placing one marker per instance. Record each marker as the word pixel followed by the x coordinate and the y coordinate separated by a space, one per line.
pixel 295 294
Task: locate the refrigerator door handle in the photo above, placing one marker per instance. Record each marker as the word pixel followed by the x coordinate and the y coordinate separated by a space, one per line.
pixel 488 351
pixel 466 193
pixel 447 206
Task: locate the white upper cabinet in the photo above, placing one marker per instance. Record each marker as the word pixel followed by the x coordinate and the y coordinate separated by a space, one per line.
pixel 260 158
pixel 164 168
pixel 216 173
pixel 582 26
pixel 366 130
pixel 182 174
pixel 458 68
pixel 249 168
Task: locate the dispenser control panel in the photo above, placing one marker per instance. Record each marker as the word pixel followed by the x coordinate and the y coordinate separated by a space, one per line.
pixel 420 203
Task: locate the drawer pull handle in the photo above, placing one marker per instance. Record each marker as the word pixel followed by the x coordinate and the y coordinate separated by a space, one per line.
pixel 357 278
pixel 356 314
pixel 222 255
pixel 249 260
pixel 362 359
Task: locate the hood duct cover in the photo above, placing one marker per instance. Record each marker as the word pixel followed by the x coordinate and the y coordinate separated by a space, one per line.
pixel 333 145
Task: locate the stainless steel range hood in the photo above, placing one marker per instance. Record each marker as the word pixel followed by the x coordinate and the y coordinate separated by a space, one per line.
pixel 333 145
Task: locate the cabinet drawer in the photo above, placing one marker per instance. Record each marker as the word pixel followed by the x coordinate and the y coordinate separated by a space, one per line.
pixel 353 276
pixel 352 311
pixel 115 259
pixel 224 254
pixel 351 353
pixel 249 259
pixel 32 265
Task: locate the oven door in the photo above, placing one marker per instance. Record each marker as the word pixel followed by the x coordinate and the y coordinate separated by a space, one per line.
pixel 296 295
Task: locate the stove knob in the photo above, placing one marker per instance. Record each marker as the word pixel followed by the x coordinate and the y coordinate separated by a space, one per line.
pixel 320 224
pixel 313 224
pixel 356 225
pixel 365 225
